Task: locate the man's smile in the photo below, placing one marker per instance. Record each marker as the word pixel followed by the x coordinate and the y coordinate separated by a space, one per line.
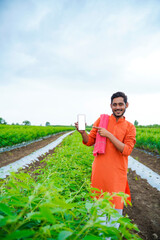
pixel 118 111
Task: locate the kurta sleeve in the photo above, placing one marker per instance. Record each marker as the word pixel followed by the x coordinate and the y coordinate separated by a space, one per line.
pixel 129 140
pixel 92 134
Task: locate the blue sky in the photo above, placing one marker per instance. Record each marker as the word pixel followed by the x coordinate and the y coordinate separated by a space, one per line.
pixel 61 58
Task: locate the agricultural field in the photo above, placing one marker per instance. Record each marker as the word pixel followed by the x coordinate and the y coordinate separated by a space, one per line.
pixel 49 203
pixel 148 138
pixel 50 199
pixel 14 134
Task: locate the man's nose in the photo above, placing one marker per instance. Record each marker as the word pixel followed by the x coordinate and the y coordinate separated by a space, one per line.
pixel 119 106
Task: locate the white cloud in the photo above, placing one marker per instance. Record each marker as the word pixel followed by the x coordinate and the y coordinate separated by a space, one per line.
pixel 18 58
pixel 38 104
pixel 147 64
pixel 39 16
pixel 59 58
pixel 143 108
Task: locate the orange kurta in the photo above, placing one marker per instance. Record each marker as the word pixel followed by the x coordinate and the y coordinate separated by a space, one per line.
pixel 109 170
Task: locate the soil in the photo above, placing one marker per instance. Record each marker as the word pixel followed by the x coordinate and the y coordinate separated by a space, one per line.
pixel 150 159
pixel 18 153
pixel 145 209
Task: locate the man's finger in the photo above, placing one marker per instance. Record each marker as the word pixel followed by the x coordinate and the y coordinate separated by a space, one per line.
pixel 96 127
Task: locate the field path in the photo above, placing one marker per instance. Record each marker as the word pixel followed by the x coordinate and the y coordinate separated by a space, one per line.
pixel 144 172
pixel 34 156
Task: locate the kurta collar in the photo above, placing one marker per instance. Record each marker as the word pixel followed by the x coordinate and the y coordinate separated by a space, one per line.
pixel 119 120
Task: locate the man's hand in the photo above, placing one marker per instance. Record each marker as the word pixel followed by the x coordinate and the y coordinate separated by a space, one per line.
pixel 105 133
pixel 83 133
pixel 102 131
pixel 80 131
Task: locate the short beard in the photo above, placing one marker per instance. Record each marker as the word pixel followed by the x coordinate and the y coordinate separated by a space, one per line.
pixel 120 115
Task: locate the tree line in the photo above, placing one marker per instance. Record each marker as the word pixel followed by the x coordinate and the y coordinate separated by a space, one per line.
pixel 28 123
pixel 25 122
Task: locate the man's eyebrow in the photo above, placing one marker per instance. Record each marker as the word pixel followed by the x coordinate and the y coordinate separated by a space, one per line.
pixel 118 103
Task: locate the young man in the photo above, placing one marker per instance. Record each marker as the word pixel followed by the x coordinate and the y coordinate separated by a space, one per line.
pixel 109 170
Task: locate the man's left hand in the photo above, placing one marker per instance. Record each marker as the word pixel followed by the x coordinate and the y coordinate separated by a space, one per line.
pixel 102 131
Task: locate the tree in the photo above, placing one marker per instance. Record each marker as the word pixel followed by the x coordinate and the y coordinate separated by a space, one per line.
pixel 2 121
pixel 48 124
pixel 26 122
pixel 135 123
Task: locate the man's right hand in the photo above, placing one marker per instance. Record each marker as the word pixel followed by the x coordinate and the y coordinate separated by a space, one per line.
pixel 83 133
pixel 80 131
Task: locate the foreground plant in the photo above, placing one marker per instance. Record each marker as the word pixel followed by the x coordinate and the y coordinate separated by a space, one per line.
pixel 55 202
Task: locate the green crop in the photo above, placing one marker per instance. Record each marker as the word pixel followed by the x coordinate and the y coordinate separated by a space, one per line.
pixel 148 138
pixel 14 134
pixel 55 202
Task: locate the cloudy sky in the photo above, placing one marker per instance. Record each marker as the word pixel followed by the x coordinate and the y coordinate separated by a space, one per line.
pixel 59 58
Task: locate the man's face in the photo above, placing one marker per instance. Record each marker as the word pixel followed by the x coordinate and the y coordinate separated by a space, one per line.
pixel 118 107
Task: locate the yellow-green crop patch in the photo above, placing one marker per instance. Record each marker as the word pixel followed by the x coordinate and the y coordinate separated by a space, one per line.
pixel 14 134
pixel 148 138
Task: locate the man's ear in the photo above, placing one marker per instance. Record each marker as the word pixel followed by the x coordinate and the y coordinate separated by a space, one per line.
pixel 127 104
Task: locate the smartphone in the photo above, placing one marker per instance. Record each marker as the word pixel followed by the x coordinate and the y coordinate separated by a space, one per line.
pixel 81 121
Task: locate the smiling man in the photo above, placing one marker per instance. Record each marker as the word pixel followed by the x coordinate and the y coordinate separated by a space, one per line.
pixel 109 169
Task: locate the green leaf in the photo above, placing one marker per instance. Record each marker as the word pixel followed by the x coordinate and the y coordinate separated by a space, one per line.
pixel 35 216
pixel 58 203
pixel 47 214
pixel 88 205
pixel 3 221
pixel 7 220
pixel 112 232
pixel 57 226
pixel 19 234
pixel 23 185
pixel 92 237
pixel 5 209
pixel 64 234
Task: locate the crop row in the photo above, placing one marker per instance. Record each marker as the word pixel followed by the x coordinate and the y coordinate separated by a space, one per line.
pixel 148 139
pixel 14 134
pixel 54 202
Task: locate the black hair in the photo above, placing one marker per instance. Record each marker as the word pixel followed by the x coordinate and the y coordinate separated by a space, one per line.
pixel 119 94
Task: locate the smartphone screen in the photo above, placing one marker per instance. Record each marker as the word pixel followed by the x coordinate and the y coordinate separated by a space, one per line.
pixel 81 121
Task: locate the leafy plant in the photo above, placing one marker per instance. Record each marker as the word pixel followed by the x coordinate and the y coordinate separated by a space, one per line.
pixel 14 134
pixel 148 138
pixel 55 202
